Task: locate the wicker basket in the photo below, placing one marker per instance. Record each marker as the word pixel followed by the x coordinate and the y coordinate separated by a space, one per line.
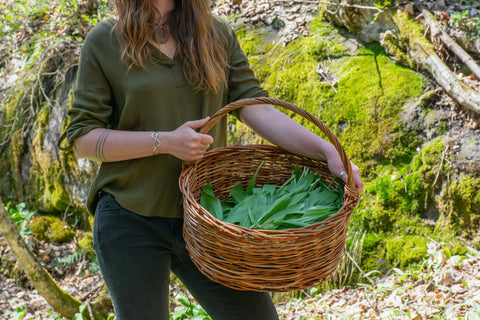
pixel 261 260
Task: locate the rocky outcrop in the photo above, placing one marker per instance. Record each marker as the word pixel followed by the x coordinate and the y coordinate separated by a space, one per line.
pixel 33 168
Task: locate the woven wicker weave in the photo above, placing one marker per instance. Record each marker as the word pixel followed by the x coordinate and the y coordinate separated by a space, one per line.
pixel 261 260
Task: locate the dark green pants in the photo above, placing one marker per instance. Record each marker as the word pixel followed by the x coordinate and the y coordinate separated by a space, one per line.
pixel 136 255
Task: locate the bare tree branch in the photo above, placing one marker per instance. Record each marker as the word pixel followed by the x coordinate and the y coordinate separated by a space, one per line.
pixel 60 300
pixel 423 54
pixel 436 31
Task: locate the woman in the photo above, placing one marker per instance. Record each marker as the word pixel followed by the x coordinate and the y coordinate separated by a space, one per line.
pixel 144 80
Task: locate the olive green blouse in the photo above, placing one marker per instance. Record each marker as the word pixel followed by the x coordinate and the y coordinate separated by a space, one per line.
pixel 156 98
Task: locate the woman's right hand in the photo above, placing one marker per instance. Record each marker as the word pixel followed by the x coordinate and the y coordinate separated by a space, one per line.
pixel 186 143
pixel 108 145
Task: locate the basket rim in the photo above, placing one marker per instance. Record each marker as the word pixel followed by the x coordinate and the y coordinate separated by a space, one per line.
pixel 299 111
pixel 188 171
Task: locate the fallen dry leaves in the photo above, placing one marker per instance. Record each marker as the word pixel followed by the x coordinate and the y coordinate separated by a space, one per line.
pixel 444 288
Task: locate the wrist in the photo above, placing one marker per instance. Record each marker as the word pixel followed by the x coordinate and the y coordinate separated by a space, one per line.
pixel 158 142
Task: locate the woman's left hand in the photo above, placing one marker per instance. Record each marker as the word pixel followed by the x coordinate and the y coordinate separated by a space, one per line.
pixel 279 129
pixel 336 167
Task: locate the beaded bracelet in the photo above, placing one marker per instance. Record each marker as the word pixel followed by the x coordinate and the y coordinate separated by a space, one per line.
pixel 156 142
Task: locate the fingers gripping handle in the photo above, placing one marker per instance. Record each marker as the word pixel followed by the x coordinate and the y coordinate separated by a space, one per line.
pixel 280 103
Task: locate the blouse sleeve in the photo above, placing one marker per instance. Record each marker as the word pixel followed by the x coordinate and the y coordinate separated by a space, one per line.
pixel 91 106
pixel 242 82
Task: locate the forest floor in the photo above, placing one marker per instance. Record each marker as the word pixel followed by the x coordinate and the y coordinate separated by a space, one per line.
pixel 443 287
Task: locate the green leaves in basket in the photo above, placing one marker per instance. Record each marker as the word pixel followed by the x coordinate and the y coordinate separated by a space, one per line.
pixel 304 199
pixel 210 202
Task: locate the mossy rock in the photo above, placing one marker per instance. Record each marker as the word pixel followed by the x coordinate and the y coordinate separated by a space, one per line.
pixel 360 98
pixel 405 250
pixel 372 257
pixel 51 229
pixel 406 188
pixel 461 204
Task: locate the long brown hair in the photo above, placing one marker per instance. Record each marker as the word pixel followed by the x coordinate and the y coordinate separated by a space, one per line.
pixel 191 24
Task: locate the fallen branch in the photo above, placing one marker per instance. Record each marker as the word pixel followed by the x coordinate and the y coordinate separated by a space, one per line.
pixel 60 300
pixel 421 51
pixel 436 31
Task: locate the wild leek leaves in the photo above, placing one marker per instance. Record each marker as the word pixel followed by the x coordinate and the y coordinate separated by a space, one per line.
pixel 304 199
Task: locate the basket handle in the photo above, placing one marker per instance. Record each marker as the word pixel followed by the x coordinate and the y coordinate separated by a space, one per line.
pixel 277 102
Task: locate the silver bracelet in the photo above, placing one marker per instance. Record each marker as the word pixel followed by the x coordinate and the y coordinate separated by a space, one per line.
pixel 156 142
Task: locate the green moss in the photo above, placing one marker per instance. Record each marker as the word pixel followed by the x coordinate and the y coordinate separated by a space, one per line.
pixel 396 200
pixel 61 232
pixel 403 190
pixel 429 156
pixel 366 87
pixel 8 181
pixel 412 32
pixel 40 227
pixel 249 41
pixel 47 185
pixel 52 229
pixel 12 133
pixel 405 250
pixel 42 123
pixel 384 251
pixel 14 97
pixel 55 198
pixel 17 146
pixel 371 92
pixel 461 204
pixel 372 253
pixel 42 118
pixel 427 98
pixel 397 47
pixel 363 107
pixel 85 242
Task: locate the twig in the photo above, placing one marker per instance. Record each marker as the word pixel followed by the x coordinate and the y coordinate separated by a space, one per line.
pixel 440 166
pixel 373 306
pixel 320 72
pixel 275 47
pixel 426 236
pixel 91 293
pixel 359 269
pixel 437 31
pixel 90 311
pixel 81 265
pixel 287 58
